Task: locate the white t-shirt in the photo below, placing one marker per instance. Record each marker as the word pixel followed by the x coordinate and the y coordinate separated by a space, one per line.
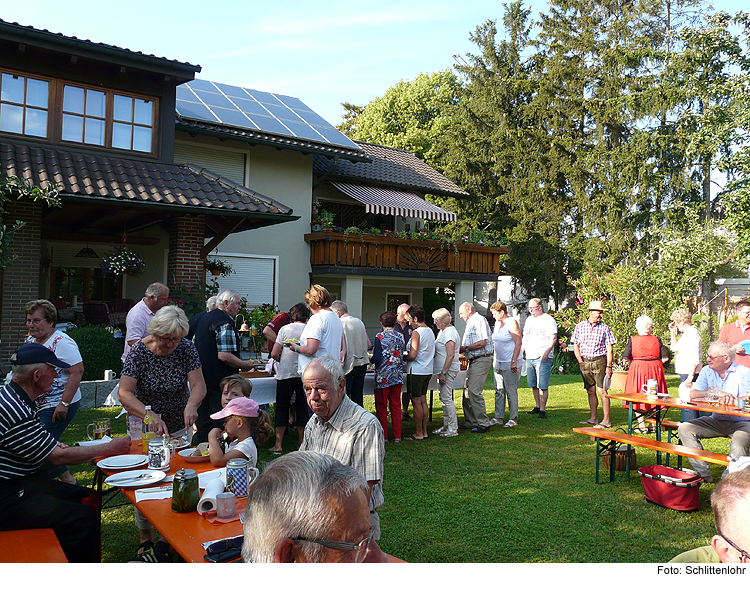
pixel 537 332
pixel 289 363
pixel 66 350
pixel 326 327
pixel 422 365
pixel 688 351
pixel 449 333
pixel 247 448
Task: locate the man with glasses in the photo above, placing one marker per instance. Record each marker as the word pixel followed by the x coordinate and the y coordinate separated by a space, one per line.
pixel 539 338
pixel 730 501
pixel 218 345
pixel 593 341
pixel 309 507
pixel 739 330
pixel 478 348
pixel 730 380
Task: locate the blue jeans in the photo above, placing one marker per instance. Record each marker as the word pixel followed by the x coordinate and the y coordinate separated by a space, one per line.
pixel 538 372
pixel 689 415
pixel 56 429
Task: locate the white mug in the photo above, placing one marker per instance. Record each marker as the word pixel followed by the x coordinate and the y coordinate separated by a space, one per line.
pixel 109 375
pixel 650 387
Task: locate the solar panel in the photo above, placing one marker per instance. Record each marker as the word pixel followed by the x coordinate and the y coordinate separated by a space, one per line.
pixel 257 110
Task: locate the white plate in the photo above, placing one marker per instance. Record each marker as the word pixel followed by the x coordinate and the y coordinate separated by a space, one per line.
pixel 124 462
pixel 135 478
pixel 88 442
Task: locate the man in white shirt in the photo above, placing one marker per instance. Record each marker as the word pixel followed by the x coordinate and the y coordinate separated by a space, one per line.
pixel 356 360
pixel 138 317
pixel 477 347
pixel 539 337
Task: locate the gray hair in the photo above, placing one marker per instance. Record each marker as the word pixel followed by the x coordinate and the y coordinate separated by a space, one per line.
pixel 724 349
pixel 332 367
pixel 467 306
pixel 225 296
pixel 642 324
pixel 339 306
pixel 155 289
pixel 21 373
pixel 169 322
pixel 443 315
pixel 211 303
pixel 292 499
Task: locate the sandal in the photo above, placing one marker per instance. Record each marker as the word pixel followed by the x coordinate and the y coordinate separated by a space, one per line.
pixel 602 426
pixel 411 438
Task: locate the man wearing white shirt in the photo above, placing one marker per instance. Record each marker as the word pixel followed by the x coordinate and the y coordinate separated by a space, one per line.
pixel 539 337
pixel 478 348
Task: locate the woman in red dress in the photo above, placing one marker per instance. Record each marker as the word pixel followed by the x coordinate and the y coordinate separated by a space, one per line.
pixel 646 355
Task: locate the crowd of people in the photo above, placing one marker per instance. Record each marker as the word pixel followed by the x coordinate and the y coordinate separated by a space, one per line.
pixel 187 371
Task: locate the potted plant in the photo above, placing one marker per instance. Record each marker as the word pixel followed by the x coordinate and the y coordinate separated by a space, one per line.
pixel 122 261
pixel 323 221
pixel 218 267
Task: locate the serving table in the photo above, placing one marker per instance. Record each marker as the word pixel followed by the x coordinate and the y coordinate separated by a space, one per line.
pixel 185 532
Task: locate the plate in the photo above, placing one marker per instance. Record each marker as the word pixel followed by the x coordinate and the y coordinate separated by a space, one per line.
pixel 745 345
pixel 124 462
pixel 135 478
pixel 185 455
pixel 88 442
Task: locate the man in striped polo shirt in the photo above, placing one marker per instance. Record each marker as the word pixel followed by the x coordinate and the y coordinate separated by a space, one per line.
pixel 28 498
pixel 593 342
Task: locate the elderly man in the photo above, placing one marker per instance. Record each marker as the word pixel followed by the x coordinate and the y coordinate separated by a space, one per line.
pixel 28 498
pixel 404 328
pixel 193 323
pixel 357 343
pixel 218 345
pixel 477 347
pixel 593 347
pixel 738 331
pixel 730 501
pixel 343 429
pixel 539 338
pixel 138 317
pixel 309 507
pixel 731 380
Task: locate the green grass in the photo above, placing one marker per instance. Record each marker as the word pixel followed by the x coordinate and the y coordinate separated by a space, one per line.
pixel 525 494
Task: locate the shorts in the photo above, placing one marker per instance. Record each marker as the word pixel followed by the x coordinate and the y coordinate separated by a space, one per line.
pixel 593 372
pixel 538 372
pixel 417 384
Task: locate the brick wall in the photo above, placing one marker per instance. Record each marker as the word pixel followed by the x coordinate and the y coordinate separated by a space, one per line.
pixel 20 280
pixel 184 265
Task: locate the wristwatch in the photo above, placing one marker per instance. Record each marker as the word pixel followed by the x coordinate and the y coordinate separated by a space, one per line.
pixel 65 404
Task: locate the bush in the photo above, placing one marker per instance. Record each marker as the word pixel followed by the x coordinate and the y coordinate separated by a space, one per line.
pixel 99 349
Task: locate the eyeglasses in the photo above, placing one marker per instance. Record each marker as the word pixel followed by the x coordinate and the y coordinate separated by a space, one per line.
pixel 167 341
pixel 712 357
pixel 744 556
pixel 360 550
pixel 225 544
pixel 34 321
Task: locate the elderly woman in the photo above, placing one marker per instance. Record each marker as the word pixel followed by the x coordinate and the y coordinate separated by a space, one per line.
pixel 388 358
pixel 506 339
pixel 162 370
pixel 288 380
pixel 446 364
pixel 688 351
pixel 646 355
pixel 59 404
pixel 323 335
pixel 420 356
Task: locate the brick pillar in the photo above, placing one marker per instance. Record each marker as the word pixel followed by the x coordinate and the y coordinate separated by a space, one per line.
pixel 184 265
pixel 20 280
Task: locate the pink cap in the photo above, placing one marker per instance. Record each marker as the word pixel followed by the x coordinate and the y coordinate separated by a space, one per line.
pixel 242 407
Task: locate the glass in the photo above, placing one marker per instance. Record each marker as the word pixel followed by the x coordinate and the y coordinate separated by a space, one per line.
pixel 121 136
pixel 96 103
pixel 144 112
pixel 36 122
pixel 712 357
pixel 226 544
pixel 744 556
pixel 37 93
pixel 34 321
pixel 142 139
pixel 73 100
pixel 11 118
pixel 360 549
pixel 12 88
pixel 72 129
pixel 123 108
pixel 94 133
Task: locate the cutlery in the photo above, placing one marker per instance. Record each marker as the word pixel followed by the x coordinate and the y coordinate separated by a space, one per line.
pixel 129 478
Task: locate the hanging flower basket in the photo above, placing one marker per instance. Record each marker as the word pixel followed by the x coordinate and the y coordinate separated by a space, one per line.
pixel 122 261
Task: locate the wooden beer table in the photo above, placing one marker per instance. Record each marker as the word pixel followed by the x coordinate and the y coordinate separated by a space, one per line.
pixel 185 532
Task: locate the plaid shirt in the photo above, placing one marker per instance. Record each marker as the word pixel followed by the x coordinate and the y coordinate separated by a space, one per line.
pixel 226 339
pixel 592 339
pixel 355 438
pixel 477 329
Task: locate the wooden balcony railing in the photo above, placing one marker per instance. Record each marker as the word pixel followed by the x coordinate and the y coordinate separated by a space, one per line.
pixel 333 248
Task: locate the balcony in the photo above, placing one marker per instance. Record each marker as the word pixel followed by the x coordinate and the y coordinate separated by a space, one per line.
pixel 333 253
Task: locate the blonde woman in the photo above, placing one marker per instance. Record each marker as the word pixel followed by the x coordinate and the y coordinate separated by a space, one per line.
pixel 323 335
pixel 688 351
pixel 446 365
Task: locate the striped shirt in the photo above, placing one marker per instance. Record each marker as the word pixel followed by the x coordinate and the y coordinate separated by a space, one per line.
pixel 477 329
pixel 24 442
pixel 355 438
pixel 592 339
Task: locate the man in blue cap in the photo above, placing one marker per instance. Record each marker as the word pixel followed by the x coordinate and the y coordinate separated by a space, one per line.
pixel 28 498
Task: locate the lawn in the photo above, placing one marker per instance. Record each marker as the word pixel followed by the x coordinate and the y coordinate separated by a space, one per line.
pixel 525 494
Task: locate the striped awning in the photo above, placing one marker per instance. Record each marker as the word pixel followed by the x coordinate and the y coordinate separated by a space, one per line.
pixel 390 202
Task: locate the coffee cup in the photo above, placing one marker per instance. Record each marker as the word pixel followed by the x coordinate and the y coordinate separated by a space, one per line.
pixel 100 427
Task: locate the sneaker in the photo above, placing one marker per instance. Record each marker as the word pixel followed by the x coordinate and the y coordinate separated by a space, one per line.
pixel 396 441
pixel 542 414
pixel 511 423
pixel 494 421
pixel 405 418
pixel 440 431
pixel 449 433
pixel 480 429
pixel 464 426
pixel 536 411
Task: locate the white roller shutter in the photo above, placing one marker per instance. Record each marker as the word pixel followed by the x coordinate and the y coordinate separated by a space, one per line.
pixel 254 277
pixel 227 163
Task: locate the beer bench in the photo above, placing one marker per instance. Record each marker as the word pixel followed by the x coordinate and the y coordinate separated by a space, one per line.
pixel 30 545
pixel 606 441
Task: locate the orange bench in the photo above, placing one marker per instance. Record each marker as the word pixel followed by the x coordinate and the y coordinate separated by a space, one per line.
pixel 31 545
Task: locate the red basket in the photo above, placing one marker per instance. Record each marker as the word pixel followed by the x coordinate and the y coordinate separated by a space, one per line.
pixel 671 488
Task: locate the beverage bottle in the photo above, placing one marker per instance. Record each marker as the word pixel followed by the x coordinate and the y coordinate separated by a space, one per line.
pixel 148 429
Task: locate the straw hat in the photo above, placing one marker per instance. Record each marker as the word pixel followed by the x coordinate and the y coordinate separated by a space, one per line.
pixel 596 305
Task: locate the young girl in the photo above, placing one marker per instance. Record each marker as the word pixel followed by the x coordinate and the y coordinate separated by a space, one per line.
pixel 245 424
pixel 234 386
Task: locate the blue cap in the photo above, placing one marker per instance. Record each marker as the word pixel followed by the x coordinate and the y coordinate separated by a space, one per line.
pixel 36 353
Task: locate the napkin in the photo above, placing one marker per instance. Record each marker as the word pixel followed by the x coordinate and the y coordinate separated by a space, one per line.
pixel 150 494
pixel 208 500
pixel 684 392
pixel 239 508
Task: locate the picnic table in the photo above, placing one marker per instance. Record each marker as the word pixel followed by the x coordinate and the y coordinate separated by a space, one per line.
pixel 185 532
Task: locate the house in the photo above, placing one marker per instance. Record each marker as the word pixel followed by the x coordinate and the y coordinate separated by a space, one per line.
pixel 178 168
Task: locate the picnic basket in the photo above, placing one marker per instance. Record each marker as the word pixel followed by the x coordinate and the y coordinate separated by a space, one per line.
pixel 671 488
pixel 620 457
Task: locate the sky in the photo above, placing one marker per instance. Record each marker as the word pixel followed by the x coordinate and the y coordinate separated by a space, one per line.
pixel 324 53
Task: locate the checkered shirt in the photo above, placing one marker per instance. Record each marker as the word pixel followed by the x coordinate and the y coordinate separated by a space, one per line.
pixel 592 339
pixel 226 338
